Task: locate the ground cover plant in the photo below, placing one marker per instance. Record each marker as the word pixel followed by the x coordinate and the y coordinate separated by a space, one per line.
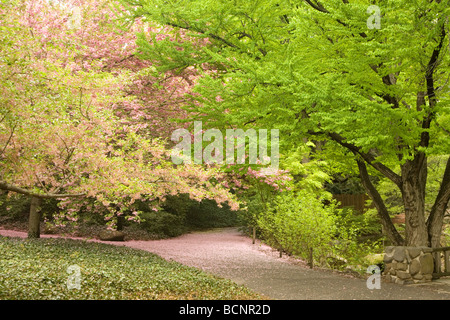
pixel 38 269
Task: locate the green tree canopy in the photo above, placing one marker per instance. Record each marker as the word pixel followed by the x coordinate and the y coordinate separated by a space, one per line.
pixel 376 93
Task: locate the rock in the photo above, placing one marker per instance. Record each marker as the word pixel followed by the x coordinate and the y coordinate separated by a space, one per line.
pixel 426 264
pixel 402 266
pixel 409 281
pixel 388 254
pixel 418 276
pixel 393 268
pixel 399 254
pixel 414 252
pixel 414 267
pixel 403 275
pixel 336 262
pixel 388 258
pixel 408 264
pixel 389 250
pixel 428 277
pixel 387 268
pixel 111 235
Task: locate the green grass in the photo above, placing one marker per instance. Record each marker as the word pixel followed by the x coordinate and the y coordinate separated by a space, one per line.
pixel 37 269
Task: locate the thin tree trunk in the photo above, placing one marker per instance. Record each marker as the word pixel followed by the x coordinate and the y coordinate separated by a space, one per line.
pixel 383 213
pixel 254 235
pixel 436 218
pixel 311 258
pixel 120 222
pixel 34 219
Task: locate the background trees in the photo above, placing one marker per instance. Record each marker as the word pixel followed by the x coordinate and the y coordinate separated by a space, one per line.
pixel 378 97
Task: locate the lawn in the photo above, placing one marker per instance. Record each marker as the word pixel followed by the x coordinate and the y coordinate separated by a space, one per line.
pixel 38 269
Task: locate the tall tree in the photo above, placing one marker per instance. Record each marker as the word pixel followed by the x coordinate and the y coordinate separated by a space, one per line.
pixel 371 81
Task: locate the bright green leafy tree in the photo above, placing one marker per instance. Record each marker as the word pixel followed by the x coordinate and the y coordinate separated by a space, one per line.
pixel 370 81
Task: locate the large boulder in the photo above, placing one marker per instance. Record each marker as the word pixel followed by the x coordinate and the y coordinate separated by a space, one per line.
pixel 426 263
pixel 111 235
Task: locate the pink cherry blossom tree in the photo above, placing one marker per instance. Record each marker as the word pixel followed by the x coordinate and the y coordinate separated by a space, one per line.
pixel 79 112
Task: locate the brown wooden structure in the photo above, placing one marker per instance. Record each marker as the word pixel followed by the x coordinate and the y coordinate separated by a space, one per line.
pixel 441 268
pixel 357 201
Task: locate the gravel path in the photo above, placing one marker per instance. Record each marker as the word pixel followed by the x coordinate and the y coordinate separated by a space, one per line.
pixel 229 254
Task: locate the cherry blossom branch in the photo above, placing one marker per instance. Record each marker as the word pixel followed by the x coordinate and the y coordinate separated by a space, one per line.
pixel 9 187
pixel 9 139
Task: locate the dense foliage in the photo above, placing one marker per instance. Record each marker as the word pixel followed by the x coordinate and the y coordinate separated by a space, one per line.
pixel 316 230
pixel 300 224
pixel 372 100
pixel 71 123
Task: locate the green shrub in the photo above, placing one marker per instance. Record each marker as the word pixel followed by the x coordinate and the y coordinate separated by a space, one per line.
pixel 14 206
pixel 178 205
pixel 357 225
pixel 178 215
pixel 357 236
pixel 162 224
pixel 300 224
pixel 181 214
pixel 207 214
pixel 17 207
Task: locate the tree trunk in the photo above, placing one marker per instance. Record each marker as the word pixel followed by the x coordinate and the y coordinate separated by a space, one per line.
pixel 388 226
pixel 414 173
pixel 120 222
pixel 253 235
pixel 34 219
pixel 436 218
pixel 311 258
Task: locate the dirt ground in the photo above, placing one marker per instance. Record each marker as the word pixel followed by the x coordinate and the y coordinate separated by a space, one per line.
pixel 230 254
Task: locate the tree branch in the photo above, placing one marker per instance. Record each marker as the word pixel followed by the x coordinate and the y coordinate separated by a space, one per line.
pixel 9 187
pixel 435 219
pixel 383 213
pixel 442 128
pixel 9 140
pixel 215 37
pixel 318 6
pixel 370 159
pixel 432 64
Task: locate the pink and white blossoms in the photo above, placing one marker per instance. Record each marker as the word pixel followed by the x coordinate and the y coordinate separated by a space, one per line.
pixel 80 113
